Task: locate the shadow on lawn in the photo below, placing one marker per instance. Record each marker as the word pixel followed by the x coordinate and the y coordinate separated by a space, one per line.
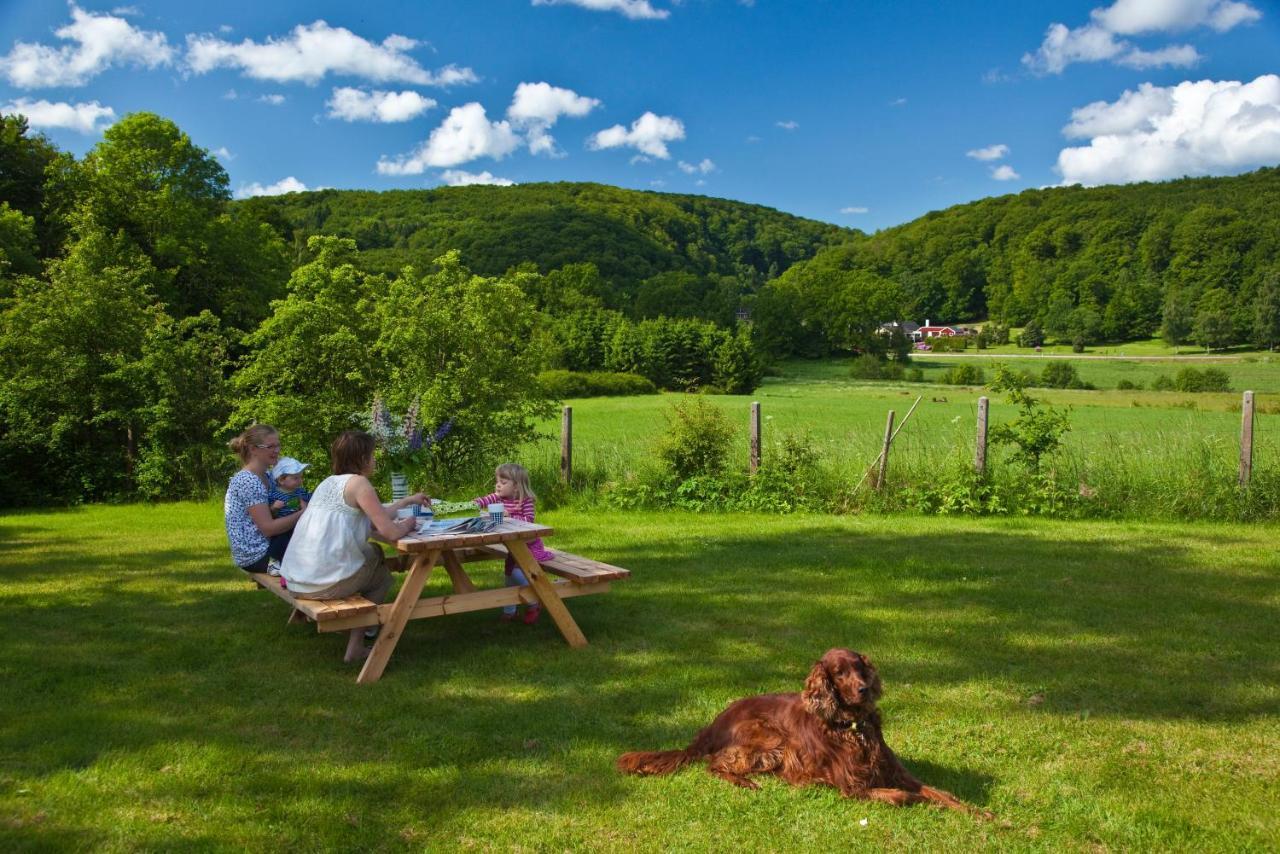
pixel 163 660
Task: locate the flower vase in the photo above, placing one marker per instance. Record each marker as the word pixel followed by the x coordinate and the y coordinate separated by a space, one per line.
pixel 399 485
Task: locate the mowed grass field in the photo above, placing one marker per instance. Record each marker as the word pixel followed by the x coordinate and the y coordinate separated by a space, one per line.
pixel 1097 685
pixel 1148 434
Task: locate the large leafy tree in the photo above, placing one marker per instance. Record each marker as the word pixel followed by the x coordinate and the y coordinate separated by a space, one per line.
pixel 149 181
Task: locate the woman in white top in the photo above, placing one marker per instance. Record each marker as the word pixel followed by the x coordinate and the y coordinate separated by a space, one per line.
pixel 330 556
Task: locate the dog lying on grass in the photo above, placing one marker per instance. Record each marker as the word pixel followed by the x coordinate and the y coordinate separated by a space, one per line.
pixel 829 733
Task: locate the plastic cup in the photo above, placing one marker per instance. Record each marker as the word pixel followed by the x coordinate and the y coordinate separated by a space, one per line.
pixel 496 512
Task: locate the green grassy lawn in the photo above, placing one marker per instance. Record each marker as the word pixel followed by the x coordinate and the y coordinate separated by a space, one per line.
pixel 1096 685
pixel 1145 347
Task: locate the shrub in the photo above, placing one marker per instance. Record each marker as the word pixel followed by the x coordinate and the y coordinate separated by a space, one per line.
pixel 1059 375
pixel 915 375
pixel 567 384
pixel 696 442
pixel 946 344
pixel 871 367
pixel 1162 383
pixel 1128 385
pixel 1210 379
pixel 963 375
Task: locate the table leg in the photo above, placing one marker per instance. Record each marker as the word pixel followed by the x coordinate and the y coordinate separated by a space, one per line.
pixel 410 591
pixel 458 575
pixel 546 594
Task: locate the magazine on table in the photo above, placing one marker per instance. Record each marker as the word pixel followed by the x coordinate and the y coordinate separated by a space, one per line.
pixel 469 525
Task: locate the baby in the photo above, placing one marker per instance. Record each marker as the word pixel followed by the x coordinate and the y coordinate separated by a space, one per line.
pixel 287 495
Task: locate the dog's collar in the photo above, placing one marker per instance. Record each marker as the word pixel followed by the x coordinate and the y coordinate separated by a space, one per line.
pixel 850 725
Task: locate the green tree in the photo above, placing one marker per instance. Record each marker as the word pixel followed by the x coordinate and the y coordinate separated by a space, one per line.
pixel 310 366
pixel 70 400
pixel 1037 430
pixel 1214 328
pixel 148 180
pixel 1266 312
pixel 1177 318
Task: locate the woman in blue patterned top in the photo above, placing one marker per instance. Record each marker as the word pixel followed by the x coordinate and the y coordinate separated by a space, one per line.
pixel 255 537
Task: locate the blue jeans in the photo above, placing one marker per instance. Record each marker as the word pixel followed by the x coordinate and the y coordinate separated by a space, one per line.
pixel 514 578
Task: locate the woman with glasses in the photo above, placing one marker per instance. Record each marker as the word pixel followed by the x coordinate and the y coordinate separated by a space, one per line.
pixel 256 538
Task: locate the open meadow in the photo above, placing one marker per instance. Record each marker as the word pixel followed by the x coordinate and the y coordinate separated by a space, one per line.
pixel 1143 453
pixel 1097 685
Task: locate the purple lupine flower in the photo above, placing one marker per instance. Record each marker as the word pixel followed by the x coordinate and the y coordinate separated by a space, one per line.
pixel 443 430
pixel 415 440
pixel 411 420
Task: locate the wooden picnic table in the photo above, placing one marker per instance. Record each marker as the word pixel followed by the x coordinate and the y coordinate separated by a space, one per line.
pixel 420 554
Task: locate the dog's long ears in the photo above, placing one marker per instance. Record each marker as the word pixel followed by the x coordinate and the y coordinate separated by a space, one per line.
pixel 874 688
pixel 819 695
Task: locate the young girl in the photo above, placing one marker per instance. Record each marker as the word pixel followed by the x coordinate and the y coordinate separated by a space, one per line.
pixel 511 489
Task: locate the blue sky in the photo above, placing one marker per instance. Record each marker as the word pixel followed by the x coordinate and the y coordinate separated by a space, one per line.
pixel 867 114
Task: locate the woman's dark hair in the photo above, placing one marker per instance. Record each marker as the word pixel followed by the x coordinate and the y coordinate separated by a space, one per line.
pixel 350 452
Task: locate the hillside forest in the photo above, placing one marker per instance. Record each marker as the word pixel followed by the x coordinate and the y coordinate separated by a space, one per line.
pixel 145 316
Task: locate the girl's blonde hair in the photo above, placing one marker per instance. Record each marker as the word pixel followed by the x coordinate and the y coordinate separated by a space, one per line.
pixel 254 434
pixel 517 474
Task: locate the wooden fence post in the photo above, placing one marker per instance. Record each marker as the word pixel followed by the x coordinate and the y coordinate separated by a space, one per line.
pixel 884 454
pixel 566 445
pixel 980 454
pixel 1246 438
pixel 755 436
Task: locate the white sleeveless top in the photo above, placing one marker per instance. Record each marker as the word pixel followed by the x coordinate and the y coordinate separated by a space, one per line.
pixel 326 542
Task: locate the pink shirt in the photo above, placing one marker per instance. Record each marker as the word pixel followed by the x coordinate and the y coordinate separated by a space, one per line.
pixel 517 508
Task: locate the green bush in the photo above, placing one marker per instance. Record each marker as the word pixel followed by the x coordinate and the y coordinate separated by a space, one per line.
pixel 1059 375
pixel 568 384
pixel 915 375
pixel 696 441
pixel 1210 379
pixel 869 366
pixel 948 344
pixel 1128 385
pixel 963 375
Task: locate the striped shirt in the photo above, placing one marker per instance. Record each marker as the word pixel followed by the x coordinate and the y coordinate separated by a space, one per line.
pixel 516 508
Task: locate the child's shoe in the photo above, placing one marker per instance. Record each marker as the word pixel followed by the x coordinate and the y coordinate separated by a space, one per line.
pixel 507 617
pixel 531 614
pixel 273 567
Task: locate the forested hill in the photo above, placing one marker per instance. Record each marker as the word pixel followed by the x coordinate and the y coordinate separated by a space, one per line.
pixel 1102 263
pixel 629 235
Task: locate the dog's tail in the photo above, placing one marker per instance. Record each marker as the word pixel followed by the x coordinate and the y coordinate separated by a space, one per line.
pixel 656 761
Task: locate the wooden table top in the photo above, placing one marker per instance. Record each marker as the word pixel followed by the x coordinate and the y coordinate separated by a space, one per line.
pixel 510 529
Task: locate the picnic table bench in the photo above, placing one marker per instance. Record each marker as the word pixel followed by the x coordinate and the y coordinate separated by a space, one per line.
pixel 418 554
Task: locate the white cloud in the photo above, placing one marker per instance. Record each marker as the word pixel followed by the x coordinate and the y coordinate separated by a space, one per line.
pixel 357 105
pixel 279 188
pixel 1134 17
pixel 1176 56
pixel 274 100
pixel 705 167
pixel 230 95
pixel 535 107
pixel 126 10
pixel 311 51
pixel 1205 127
pixel 465 135
pixel 788 125
pixel 458 178
pixel 898 102
pixel 1097 40
pixel 82 118
pixel 649 135
pixel 991 152
pixel 223 154
pixel 226 28
pixel 634 9
pixel 657 183
pixel 854 210
pixel 101 42
pixel 1004 172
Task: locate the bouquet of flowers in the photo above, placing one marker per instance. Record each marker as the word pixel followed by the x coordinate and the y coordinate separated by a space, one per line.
pixel 401 439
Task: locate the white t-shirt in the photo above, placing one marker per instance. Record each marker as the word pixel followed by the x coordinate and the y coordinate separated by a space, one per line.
pixel 326 544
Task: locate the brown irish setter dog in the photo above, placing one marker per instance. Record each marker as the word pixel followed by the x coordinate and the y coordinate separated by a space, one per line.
pixel 828 733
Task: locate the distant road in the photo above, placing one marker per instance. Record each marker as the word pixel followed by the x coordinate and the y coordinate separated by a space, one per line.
pixel 1073 356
